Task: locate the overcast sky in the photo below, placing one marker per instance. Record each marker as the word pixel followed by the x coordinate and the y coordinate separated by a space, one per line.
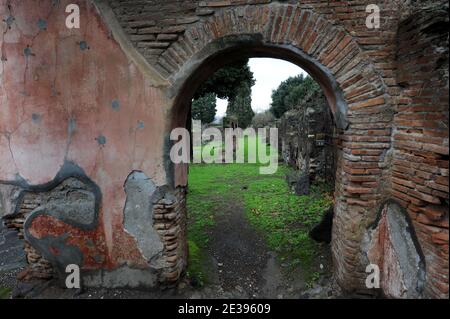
pixel 269 73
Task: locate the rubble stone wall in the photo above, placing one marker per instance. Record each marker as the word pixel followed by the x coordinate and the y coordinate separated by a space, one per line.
pixel 307 135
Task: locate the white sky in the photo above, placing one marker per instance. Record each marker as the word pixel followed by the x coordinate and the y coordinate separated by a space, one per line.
pixel 268 73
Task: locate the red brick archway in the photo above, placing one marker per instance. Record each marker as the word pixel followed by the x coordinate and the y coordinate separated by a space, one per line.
pixel 355 92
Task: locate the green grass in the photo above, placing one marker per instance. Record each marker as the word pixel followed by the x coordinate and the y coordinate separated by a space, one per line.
pixel 196 263
pixel 5 293
pixel 283 218
pixel 313 278
pixel 211 186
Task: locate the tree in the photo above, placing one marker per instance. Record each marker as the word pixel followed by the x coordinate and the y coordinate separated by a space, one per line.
pixel 263 119
pixel 279 105
pixel 298 93
pixel 204 108
pixel 225 82
pixel 291 92
pixel 240 106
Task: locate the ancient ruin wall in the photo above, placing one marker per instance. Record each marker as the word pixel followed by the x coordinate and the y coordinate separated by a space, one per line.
pixel 97 102
pixel 420 161
pixel 307 134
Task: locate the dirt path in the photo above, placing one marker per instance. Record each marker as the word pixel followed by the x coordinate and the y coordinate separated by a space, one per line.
pixel 239 252
pixel 241 265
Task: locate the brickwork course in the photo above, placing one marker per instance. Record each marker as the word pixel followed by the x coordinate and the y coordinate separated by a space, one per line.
pixel 98 103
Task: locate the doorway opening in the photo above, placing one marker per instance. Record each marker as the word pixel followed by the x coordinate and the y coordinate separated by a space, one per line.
pixel 253 235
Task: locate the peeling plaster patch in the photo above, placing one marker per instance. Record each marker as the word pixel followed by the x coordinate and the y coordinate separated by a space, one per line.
pixel 42 24
pixel 101 140
pixel 71 198
pixel 410 261
pixel 72 202
pixel 138 214
pixel 36 118
pixel 10 198
pixel 393 247
pixel 84 45
pixel 77 206
pixel 115 105
pixel 74 196
pixel 20 180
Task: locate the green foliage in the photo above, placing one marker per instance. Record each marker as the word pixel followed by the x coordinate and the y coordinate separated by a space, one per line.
pixel 314 277
pixel 195 263
pixel 240 106
pixel 225 82
pixel 291 92
pixel 204 108
pixel 4 293
pixel 232 82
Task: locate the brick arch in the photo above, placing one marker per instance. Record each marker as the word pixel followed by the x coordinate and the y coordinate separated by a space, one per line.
pixel 354 89
pixel 325 50
pixel 225 50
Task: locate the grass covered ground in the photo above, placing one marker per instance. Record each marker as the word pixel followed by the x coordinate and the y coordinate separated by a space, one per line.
pixel 283 218
pixel 4 293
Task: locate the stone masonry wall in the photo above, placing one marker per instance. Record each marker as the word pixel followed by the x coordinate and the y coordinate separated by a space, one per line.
pixel 170 223
pixel 307 138
pixel 39 267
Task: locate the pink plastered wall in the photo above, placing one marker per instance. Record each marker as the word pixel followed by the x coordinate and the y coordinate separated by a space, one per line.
pixel 73 95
